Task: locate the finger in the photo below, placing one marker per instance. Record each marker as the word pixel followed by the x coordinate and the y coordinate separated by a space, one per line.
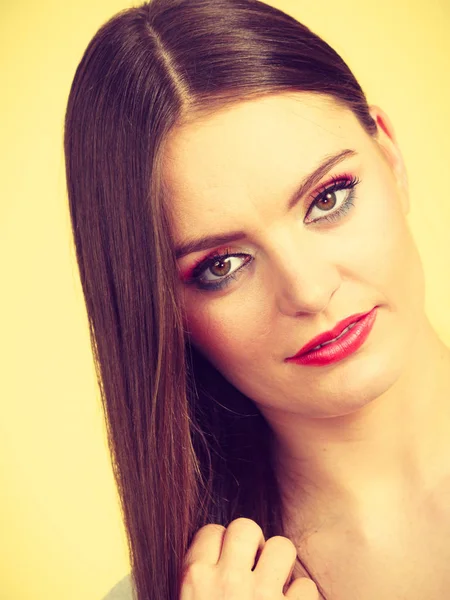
pixel 303 588
pixel 241 543
pixel 206 545
pixel 275 564
pixel 290 578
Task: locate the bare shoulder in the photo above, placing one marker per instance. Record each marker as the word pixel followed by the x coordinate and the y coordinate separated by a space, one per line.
pixel 123 590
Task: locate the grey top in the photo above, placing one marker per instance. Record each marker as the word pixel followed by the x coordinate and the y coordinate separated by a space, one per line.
pixel 123 590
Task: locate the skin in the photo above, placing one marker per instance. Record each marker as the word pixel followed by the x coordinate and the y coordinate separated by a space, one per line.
pixel 219 566
pixel 362 444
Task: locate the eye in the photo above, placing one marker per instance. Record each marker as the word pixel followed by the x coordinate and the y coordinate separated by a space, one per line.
pixel 340 193
pixel 218 270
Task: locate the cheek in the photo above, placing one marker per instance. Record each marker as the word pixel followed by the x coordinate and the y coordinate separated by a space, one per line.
pixel 227 333
pixel 207 334
pixel 389 257
pixel 381 244
pixel 211 333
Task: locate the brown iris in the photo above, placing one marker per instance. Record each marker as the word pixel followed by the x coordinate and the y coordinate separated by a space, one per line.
pixel 223 262
pixel 330 196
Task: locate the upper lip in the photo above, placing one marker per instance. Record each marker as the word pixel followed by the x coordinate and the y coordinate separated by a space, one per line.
pixel 326 336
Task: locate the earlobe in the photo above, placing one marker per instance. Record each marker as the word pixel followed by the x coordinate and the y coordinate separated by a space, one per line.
pixel 387 142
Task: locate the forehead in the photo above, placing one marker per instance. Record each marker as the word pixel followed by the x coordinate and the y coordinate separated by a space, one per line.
pixel 252 149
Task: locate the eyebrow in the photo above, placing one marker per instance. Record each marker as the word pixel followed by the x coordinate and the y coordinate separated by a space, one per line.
pixel 209 241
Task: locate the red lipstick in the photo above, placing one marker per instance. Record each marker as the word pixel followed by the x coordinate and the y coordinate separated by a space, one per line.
pixel 346 343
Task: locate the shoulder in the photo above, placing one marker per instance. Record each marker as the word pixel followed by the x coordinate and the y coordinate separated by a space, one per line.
pixel 123 590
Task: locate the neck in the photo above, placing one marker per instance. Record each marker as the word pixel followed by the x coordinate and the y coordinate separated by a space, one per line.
pixel 395 443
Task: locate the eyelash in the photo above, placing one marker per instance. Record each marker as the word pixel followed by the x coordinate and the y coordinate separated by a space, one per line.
pixel 342 182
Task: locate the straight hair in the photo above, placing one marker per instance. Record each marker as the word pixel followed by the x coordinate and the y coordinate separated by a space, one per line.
pixel 187 447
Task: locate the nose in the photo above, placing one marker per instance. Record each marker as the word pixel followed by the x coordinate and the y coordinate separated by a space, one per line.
pixel 303 276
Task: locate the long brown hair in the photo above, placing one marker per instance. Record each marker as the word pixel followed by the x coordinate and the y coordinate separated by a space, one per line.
pixel 187 447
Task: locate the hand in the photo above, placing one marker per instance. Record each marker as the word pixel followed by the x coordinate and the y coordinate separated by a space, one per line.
pixel 219 566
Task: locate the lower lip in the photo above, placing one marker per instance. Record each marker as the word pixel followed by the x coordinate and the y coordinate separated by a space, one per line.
pixel 343 347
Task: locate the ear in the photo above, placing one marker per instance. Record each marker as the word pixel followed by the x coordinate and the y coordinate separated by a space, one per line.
pixel 387 142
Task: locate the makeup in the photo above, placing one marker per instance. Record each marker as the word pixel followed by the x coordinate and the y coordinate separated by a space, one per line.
pixel 196 275
pixel 352 337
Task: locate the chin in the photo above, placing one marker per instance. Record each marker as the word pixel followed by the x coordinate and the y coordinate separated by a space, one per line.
pixel 368 379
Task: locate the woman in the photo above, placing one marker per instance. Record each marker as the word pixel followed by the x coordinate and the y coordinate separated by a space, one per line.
pixel 233 197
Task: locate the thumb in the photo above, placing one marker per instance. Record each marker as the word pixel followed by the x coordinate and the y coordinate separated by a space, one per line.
pixel 303 588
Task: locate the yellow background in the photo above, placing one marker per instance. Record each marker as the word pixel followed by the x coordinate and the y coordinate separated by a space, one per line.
pixel 60 531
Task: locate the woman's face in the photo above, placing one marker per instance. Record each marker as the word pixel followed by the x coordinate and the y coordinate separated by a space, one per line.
pixel 291 273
